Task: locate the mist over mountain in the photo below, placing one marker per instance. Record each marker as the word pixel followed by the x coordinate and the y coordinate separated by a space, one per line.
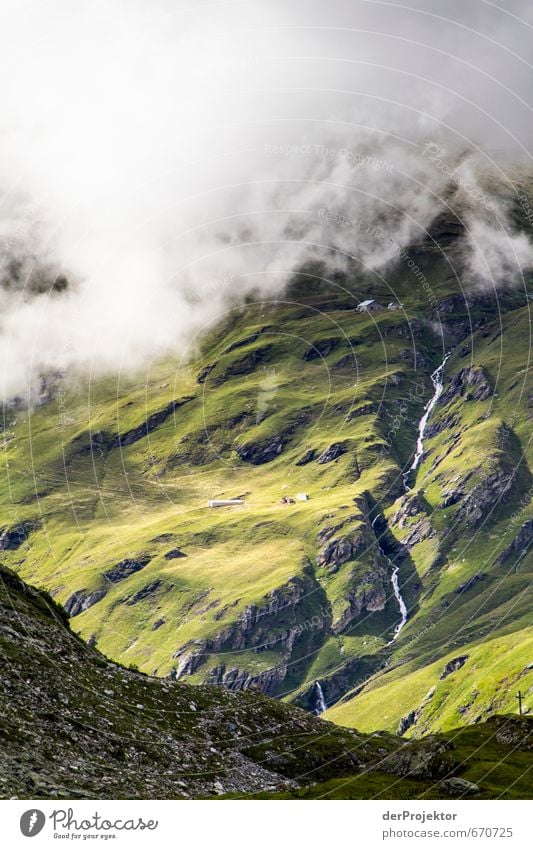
pixel 160 162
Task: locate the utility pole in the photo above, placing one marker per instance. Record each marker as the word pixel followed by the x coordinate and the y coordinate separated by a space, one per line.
pixel 519 697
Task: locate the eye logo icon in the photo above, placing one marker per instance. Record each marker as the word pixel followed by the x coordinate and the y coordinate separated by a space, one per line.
pixel 32 822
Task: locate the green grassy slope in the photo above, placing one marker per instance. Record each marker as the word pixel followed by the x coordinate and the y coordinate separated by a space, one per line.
pixel 105 487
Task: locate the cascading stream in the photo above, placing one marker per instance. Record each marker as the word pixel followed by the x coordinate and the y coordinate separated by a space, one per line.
pixel 396 590
pixel 438 384
pixel 321 705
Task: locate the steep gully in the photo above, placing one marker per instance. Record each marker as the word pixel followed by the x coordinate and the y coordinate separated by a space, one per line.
pixel 438 384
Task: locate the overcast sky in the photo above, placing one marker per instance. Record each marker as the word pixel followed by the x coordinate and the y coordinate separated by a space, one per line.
pixel 138 145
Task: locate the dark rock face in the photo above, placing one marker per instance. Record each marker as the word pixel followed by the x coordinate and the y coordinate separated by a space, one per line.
pixel 125 568
pixel 146 591
pixel 516 733
pixel 456 786
pixel 492 490
pixel 260 453
pixel 308 457
pixel 247 364
pixel 336 450
pixel 407 722
pixel 174 554
pixel 444 423
pixel 338 551
pixel 470 383
pixel 410 505
pixel 100 442
pixel 82 600
pixel 430 758
pixel 453 665
pixel 204 373
pixel 348 361
pixel 248 340
pixel 151 423
pixel 472 582
pixel 521 543
pixel 418 532
pixel 322 348
pixel 14 537
pixel 282 623
pixel 369 593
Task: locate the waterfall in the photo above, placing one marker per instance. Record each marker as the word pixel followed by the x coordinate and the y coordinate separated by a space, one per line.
pixel 396 589
pixel 321 705
pixel 438 385
pixel 401 603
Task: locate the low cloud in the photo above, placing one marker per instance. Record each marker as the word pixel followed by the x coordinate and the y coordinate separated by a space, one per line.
pixel 164 160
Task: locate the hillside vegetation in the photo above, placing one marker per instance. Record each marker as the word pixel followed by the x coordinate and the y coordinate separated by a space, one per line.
pixel 106 483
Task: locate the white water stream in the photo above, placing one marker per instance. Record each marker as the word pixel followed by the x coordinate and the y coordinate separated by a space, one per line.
pixel 396 590
pixel 321 705
pixel 438 385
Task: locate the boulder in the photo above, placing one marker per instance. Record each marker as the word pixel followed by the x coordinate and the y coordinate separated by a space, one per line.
pixel 458 786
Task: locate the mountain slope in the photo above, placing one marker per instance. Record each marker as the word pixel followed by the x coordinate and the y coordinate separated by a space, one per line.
pixel 75 725
pixel 106 486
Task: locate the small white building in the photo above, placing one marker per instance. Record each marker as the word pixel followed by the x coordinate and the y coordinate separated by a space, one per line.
pixel 370 306
pixel 394 305
pixel 302 496
pixel 224 502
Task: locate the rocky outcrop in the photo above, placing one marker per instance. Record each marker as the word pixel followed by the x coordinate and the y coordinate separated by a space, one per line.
pixel 407 722
pixel 471 583
pixel 321 348
pixel 204 373
pixel 336 450
pixel 308 457
pixel 490 489
pixel 125 568
pixel 516 731
pixel 284 622
pixel 145 592
pixel 370 593
pixel 453 665
pixel 336 549
pixel 100 442
pixel 150 424
pixel 417 533
pixel 348 361
pixel 262 452
pixel 456 786
pixel 267 450
pixel 13 537
pixel 430 758
pixel 470 384
pixel 82 600
pixel 174 554
pixel 409 506
pixel 520 544
pixel 245 365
